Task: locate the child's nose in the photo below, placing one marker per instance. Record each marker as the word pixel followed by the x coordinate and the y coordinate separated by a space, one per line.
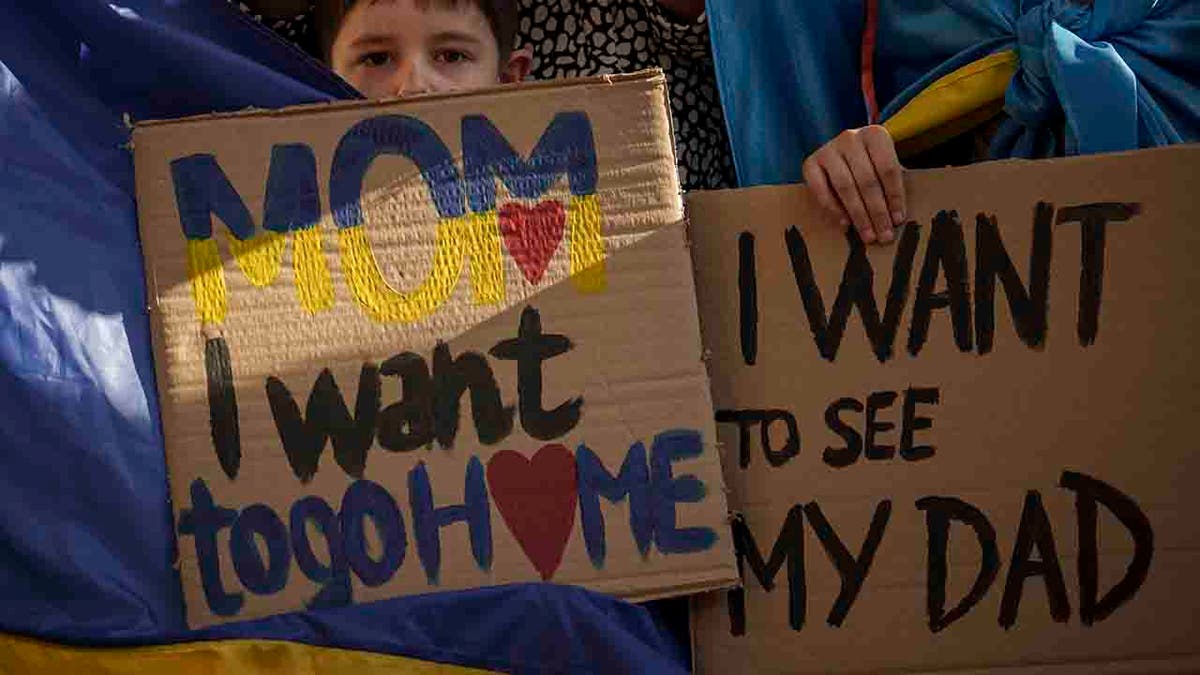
pixel 411 78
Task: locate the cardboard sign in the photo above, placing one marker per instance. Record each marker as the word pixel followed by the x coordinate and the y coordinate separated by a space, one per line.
pixel 438 344
pixel 973 448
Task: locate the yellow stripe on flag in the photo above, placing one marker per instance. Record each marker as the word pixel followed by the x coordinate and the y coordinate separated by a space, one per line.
pixel 21 656
pixel 931 116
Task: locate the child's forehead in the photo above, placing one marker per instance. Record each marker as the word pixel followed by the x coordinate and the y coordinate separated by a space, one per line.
pixel 424 15
pixel 466 6
pixel 415 22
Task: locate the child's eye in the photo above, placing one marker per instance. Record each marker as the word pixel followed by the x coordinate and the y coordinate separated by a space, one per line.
pixel 375 59
pixel 451 56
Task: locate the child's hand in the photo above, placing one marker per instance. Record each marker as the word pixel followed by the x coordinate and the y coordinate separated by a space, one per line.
pixel 856 177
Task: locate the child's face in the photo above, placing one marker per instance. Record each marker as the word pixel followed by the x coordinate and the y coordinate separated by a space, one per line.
pixel 389 48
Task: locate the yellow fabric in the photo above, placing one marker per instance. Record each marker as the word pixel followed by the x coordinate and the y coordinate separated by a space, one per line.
pixel 21 656
pixel 972 92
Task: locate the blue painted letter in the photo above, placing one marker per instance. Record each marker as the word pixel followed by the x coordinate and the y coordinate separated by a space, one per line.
pixel 667 491
pixel 203 521
pixel 334 578
pixel 633 482
pixel 364 498
pixel 429 520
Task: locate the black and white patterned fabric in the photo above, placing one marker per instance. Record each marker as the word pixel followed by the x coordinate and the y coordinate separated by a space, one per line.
pixel 575 38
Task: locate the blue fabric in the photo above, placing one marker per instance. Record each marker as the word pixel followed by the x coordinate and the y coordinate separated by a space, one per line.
pixel 788 75
pixel 527 628
pixel 85 525
pixel 1115 75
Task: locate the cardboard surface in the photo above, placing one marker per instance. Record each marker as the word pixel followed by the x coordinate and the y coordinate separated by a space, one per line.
pixel 438 344
pixel 1083 422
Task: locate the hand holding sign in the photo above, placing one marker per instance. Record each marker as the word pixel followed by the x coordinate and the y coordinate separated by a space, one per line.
pixel 857 179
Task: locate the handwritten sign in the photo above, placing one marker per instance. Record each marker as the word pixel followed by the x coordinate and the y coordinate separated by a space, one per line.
pixel 971 449
pixel 441 344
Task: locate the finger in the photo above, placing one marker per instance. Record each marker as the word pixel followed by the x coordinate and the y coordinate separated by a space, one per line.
pixel 846 190
pixel 882 150
pixel 818 183
pixel 870 190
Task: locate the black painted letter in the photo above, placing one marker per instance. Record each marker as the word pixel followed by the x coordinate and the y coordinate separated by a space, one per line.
pixel 407 424
pixel 791 447
pixel 848 454
pixel 748 294
pixel 529 349
pixel 452 377
pixel 853 571
pixel 1034 531
pixel 1094 218
pixel 745 419
pixel 948 252
pixel 939 511
pixel 856 288
pixel 992 262
pixel 789 547
pixel 1089 491
pixel 326 417
pixel 222 406
pixel 911 423
pixel 877 401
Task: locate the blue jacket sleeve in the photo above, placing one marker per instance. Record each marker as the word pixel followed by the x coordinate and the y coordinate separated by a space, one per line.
pixel 788 73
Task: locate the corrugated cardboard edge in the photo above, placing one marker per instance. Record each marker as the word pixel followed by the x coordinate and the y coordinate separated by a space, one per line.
pixel 699 197
pixel 158 352
pixel 691 589
pixel 655 77
pixel 651 76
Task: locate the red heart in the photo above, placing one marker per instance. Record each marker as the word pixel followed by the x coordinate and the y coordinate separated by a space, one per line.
pixel 536 497
pixel 532 235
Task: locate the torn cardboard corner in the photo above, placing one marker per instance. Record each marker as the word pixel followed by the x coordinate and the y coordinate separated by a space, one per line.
pixel 436 344
pixel 970 450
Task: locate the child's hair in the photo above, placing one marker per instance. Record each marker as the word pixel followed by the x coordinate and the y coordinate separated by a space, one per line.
pixel 501 16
